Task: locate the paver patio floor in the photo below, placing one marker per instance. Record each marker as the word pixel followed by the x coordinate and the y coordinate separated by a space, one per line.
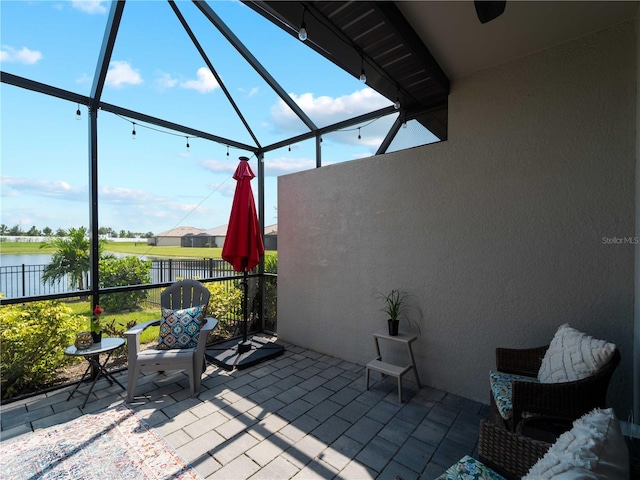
pixel 303 415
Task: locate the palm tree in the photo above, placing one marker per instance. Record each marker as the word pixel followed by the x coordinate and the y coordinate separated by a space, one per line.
pixel 71 258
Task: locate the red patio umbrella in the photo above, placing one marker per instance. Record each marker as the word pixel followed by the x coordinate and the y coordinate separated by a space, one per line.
pixel 243 244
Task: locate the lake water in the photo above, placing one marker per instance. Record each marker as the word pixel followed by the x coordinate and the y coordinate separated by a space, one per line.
pixel 16 280
pixel 11 260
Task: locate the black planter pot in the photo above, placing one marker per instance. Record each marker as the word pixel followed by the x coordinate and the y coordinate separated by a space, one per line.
pixel 393 327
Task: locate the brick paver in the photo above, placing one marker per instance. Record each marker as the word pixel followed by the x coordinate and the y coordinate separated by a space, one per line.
pixel 303 415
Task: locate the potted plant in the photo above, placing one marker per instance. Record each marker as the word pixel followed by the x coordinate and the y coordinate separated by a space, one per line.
pixel 395 306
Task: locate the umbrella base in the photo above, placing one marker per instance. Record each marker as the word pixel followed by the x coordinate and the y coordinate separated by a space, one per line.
pixel 234 354
pixel 244 347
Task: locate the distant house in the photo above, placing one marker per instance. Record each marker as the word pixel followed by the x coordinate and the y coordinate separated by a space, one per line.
pixel 180 237
pixel 213 237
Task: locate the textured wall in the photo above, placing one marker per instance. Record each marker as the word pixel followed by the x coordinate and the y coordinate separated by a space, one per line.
pixel 497 232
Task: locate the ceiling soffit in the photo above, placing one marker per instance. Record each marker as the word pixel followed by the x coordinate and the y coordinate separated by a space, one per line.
pixel 374 36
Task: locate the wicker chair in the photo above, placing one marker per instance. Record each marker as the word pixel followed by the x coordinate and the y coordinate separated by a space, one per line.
pixel 556 404
pixel 509 454
pixel 501 454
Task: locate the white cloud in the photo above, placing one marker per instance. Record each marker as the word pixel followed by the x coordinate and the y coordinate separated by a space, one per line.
pixel 90 6
pixel 129 196
pixel 121 73
pixel 165 81
pixel 283 165
pixel 18 186
pixel 24 55
pixel 84 79
pixel 249 93
pixel 325 110
pixel 217 166
pixel 205 83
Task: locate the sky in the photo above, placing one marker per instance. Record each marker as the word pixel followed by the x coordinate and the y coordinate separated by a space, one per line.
pixel 153 182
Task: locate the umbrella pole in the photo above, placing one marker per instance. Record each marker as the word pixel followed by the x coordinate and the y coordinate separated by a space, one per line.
pixel 244 306
pixel 244 346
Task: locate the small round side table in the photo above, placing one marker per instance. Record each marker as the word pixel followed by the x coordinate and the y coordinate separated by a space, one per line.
pixel 92 355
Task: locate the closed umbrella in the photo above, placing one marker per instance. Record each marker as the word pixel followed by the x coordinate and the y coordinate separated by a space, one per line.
pixel 243 244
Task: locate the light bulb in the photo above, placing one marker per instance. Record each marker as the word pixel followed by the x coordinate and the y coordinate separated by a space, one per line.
pixel 78 113
pixel 404 125
pixel 359 137
pixel 396 104
pixel 187 143
pixel 302 33
pixel 363 76
pixel 133 132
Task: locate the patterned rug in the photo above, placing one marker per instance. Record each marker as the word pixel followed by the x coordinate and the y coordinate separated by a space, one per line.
pixel 113 444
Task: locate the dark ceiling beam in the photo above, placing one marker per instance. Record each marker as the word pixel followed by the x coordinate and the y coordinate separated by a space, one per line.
pixel 257 66
pixel 190 132
pixel 332 128
pixel 213 71
pixel 27 84
pixel 32 85
pixel 108 41
pixel 412 40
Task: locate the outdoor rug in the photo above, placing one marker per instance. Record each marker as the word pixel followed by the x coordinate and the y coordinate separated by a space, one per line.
pixel 115 444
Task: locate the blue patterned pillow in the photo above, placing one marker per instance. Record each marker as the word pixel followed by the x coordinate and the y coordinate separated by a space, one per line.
pixel 468 468
pixel 501 389
pixel 180 328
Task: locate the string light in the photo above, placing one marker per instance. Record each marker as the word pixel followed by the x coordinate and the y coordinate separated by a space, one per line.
pixel 289 147
pixel 359 137
pixel 396 104
pixel 302 33
pixel 227 150
pixel 134 135
pixel 363 76
pixel 78 113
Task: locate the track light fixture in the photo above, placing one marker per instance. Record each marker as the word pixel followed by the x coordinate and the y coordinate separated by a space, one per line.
pixel 302 33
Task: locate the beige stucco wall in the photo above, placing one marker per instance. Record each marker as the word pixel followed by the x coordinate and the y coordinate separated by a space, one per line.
pixel 497 232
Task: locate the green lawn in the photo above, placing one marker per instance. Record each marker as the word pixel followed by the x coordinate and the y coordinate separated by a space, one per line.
pixel 135 248
pixel 121 320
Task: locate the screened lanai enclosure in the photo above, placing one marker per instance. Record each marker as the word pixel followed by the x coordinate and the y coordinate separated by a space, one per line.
pixel 519 215
pixel 131 115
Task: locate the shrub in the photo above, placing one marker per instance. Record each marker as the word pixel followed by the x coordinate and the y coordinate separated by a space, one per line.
pixel 33 337
pixel 270 292
pixel 225 304
pixel 117 272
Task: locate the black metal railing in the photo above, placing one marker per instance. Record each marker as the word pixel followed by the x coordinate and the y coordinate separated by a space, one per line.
pixel 26 280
